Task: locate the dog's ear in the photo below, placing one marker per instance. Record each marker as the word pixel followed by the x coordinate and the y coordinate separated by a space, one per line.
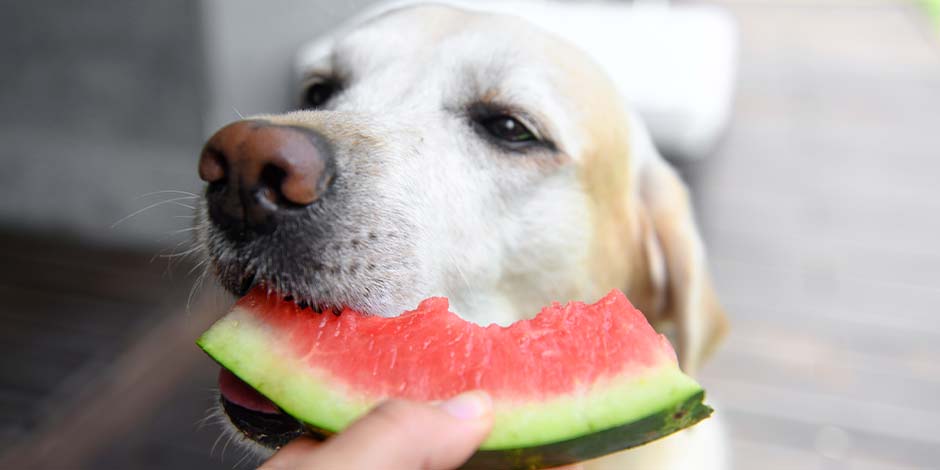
pixel 676 260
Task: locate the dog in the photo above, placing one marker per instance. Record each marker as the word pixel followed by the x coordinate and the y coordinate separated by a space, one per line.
pixel 446 152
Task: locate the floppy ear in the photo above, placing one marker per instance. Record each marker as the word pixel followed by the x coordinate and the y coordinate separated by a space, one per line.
pixel 676 259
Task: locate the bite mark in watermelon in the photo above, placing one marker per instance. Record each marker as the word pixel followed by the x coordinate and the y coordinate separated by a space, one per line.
pixel 575 382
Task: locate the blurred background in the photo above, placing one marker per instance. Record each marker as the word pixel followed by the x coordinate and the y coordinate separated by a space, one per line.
pixel 820 210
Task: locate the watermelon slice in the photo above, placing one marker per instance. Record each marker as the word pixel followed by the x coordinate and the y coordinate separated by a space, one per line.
pixel 575 382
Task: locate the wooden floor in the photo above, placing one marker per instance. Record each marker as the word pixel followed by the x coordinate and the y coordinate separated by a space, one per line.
pixel 821 215
pixel 820 211
pixel 97 363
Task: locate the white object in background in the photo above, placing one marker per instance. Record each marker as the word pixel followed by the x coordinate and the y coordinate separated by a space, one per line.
pixel 675 65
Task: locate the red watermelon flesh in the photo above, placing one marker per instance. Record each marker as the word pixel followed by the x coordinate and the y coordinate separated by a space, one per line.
pixel 574 382
pixel 432 354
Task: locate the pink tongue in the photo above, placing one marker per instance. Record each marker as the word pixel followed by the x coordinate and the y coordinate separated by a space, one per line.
pixel 241 394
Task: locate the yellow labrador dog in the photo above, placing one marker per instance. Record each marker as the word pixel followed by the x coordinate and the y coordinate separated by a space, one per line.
pixel 467 155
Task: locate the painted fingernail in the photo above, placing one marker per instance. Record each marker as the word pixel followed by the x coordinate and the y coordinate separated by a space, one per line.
pixel 468 405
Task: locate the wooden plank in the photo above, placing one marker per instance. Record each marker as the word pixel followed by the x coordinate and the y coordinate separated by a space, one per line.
pixel 900 423
pixel 813 443
pixel 175 436
pixel 74 313
pixel 810 293
pixel 818 367
pixel 878 272
pixel 112 402
pixel 38 263
pixel 769 456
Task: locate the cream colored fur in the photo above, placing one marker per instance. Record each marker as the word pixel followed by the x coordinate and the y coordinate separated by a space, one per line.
pixel 499 233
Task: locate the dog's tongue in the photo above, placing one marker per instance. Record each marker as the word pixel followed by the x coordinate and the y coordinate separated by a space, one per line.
pixel 241 394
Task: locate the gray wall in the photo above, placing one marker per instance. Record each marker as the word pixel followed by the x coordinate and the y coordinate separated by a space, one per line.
pixel 104 101
pixel 251 48
pixel 100 101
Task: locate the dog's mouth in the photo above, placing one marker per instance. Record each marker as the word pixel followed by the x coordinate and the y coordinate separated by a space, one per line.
pixel 256 417
pixel 251 413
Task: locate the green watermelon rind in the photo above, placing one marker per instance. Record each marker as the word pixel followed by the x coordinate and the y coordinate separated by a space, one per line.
pixel 621 412
pixel 608 441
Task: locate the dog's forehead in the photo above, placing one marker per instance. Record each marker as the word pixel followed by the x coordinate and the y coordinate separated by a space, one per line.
pixel 425 30
pixel 461 56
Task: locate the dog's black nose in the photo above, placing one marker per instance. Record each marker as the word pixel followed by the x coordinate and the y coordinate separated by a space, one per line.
pixel 259 171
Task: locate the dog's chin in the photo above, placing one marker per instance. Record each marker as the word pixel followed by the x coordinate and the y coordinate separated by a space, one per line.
pixel 232 433
pixel 269 430
pixel 252 420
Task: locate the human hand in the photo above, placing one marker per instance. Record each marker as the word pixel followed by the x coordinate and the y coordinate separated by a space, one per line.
pixel 397 435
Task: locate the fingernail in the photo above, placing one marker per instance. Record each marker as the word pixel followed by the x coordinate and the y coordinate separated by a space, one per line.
pixel 468 405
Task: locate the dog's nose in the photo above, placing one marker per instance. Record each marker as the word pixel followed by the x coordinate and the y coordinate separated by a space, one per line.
pixel 258 171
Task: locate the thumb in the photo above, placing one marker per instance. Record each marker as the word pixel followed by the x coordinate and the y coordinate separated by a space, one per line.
pixel 403 435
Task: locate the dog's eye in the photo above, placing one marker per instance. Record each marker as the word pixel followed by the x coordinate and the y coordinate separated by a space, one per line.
pixel 317 94
pixel 509 129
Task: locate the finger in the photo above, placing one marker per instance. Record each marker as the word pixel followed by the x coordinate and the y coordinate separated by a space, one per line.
pixel 402 435
pixel 292 456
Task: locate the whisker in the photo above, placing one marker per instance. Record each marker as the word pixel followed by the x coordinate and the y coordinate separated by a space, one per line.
pixel 193 248
pixel 230 438
pixel 197 285
pixel 213 414
pixel 197 266
pixel 245 455
pixel 237 113
pixel 180 254
pixel 216 443
pixel 201 422
pixel 156 204
pixel 167 191
pixel 184 230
